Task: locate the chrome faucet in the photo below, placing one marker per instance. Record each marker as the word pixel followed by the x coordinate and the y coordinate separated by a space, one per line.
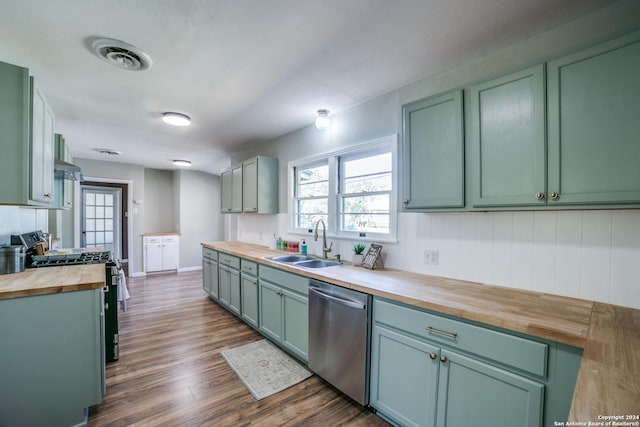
pixel 325 249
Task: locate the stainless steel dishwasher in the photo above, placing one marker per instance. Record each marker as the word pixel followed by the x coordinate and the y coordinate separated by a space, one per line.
pixel 339 322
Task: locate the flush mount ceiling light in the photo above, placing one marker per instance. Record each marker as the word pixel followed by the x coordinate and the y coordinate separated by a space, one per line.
pixel 323 121
pixel 182 163
pixel 120 54
pixel 176 119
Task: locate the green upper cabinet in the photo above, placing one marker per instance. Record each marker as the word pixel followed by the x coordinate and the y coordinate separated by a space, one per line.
pixel 433 153
pixel 508 159
pixel 27 140
pixel 594 135
pixel 231 191
pixel 260 185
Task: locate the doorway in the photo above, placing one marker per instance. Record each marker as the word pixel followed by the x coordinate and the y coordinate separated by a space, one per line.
pixel 100 220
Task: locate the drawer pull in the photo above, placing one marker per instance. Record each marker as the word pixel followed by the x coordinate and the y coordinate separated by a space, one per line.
pixel 432 356
pixel 444 333
pixel 443 359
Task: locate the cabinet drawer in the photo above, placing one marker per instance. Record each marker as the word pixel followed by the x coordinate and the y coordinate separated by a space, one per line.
pixel 286 280
pixel 230 260
pixel 249 267
pixel 209 253
pixel 521 353
pixel 152 239
pixel 169 239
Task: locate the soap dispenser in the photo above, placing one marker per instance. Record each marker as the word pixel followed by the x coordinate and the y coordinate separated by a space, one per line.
pixel 303 247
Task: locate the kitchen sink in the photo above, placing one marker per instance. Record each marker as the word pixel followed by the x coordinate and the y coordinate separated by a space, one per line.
pixel 317 263
pixel 290 259
pixel 306 261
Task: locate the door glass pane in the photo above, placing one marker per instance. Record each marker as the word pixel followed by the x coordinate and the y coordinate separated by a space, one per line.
pixel 108 224
pixel 91 238
pixel 99 224
pixel 90 225
pixel 99 199
pixel 108 237
pixel 99 212
pixel 90 212
pixel 90 199
pixel 108 199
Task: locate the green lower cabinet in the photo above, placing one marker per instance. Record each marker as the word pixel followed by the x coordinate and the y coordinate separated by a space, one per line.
pixel 229 282
pixel 295 323
pixel 404 378
pixel 270 310
pixel 210 277
pixel 472 393
pixel 250 299
pixel 284 310
pixel 433 370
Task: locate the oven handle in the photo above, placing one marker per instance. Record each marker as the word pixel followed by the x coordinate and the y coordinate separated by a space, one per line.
pixel 347 302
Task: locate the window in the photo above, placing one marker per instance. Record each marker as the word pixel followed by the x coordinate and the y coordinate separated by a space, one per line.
pixel 311 194
pixel 365 192
pixel 351 190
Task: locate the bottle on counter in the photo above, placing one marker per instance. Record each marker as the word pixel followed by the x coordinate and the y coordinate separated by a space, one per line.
pixel 303 247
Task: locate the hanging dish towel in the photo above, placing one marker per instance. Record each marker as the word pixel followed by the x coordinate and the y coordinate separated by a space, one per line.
pixel 123 292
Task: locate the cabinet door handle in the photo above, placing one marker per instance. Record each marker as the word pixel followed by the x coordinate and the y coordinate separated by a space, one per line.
pixel 443 359
pixel 539 196
pixel 47 195
pixel 440 332
pixel 553 195
pixel 405 201
pixel 433 356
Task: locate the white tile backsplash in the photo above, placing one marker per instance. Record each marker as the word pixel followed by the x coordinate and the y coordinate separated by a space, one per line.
pixel 17 220
pixel 582 254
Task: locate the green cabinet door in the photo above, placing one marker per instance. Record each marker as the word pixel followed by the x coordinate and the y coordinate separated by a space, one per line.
pixel 225 191
pixel 295 323
pixel 250 299
pixel 250 185
pixel 224 283
pixel 433 152
pixel 508 140
pixel 472 393
pixel 594 135
pixel 235 300
pixel 210 277
pixel 236 188
pixel 404 377
pixel 270 311
pixel 42 147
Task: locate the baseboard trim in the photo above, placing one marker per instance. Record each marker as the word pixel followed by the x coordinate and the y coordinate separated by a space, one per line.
pixel 138 274
pixel 195 268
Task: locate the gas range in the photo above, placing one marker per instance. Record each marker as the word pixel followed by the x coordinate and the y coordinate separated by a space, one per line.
pixel 72 259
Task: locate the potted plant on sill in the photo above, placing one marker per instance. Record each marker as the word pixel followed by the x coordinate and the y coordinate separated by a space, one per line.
pixel 358 253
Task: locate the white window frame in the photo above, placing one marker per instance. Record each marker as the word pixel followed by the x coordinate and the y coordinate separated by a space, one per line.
pixel 333 230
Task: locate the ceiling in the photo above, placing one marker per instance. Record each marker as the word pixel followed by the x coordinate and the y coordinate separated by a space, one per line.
pixel 246 71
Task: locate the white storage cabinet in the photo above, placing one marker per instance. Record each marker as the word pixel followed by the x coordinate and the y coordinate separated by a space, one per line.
pixel 160 253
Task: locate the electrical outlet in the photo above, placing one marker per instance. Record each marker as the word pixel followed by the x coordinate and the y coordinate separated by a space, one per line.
pixel 431 256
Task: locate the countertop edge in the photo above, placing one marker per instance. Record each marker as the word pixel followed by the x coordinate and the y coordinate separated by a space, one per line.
pixel 549 332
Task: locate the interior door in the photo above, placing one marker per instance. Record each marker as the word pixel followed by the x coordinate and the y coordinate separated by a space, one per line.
pixel 100 218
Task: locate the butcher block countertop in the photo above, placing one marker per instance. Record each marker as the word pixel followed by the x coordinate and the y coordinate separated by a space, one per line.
pixel 609 335
pixel 52 280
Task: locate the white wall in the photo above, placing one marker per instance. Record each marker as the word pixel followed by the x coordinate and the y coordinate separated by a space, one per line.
pixel 17 220
pixel 200 219
pixel 158 201
pixel 584 254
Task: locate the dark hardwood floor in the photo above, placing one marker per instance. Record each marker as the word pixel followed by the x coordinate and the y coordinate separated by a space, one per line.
pixel 170 371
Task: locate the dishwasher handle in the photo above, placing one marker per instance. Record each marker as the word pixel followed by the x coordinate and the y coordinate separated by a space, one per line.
pixel 347 302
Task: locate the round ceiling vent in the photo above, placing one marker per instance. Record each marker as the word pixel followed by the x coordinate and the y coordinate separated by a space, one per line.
pixel 121 54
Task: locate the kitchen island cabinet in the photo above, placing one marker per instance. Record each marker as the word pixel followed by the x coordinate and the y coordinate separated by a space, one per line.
pixel 27 124
pixel 52 331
